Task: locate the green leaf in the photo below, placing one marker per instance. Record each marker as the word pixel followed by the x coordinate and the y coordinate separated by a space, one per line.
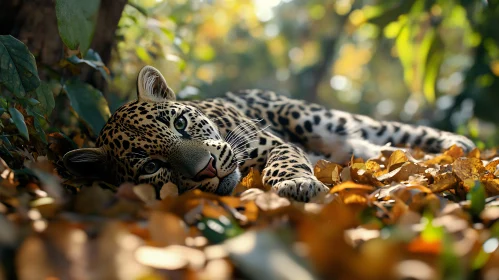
pixel 18 120
pixel 88 103
pixel 431 233
pixel 92 59
pixel 382 16
pixel 139 8
pixel 17 67
pixel 32 101
pixel 432 68
pixel 76 21
pixel 46 98
pixel 477 197
pixel 4 104
pixel 218 230
pixel 405 52
pixel 39 131
pixel 143 54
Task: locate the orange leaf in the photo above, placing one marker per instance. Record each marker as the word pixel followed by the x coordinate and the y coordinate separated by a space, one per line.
pixel 351 186
pixel 468 169
pixel 327 172
pixel 419 245
pixel 492 166
pixel 395 158
pixel 455 152
pixel 252 180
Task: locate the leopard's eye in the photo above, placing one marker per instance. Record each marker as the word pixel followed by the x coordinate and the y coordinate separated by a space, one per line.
pixel 152 166
pixel 180 123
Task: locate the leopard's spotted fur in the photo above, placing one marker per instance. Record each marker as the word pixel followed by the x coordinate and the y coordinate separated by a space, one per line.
pixel 145 141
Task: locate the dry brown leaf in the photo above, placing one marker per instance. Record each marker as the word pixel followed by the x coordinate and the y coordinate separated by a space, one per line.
pixel 475 153
pixel 168 190
pixel 455 152
pixel 351 186
pixel 146 193
pixel 271 201
pixel 243 210
pixel 354 198
pixel 418 198
pixel 252 180
pixel 8 183
pixel 491 186
pixel 345 174
pixel 114 255
pixel 417 153
pixel 92 200
pixel 443 182
pixel 468 169
pixel 451 154
pixel 166 229
pixel 33 261
pixel 396 158
pixel 492 166
pixel 488 154
pixel 403 172
pixel 440 159
pixel 327 172
pixel 372 166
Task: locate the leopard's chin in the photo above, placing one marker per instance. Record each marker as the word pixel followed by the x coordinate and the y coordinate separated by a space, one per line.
pixel 228 183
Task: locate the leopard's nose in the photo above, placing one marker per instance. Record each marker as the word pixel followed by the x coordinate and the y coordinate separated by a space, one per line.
pixel 208 171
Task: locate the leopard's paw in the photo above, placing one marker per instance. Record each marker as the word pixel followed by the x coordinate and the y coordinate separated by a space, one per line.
pixel 301 189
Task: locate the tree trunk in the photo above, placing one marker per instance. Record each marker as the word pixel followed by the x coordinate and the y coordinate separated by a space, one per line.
pixel 34 23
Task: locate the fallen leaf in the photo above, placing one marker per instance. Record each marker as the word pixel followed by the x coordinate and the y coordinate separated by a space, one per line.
pixel 396 158
pixel 443 182
pixel 327 172
pixel 468 170
pixel 168 190
pixel 351 186
pixel 166 229
pixel 271 201
pixel 252 180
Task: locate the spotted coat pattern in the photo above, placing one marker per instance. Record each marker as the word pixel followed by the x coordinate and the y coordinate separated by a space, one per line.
pixel 243 130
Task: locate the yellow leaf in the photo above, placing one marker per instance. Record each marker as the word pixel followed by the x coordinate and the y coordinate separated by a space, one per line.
pixel 327 172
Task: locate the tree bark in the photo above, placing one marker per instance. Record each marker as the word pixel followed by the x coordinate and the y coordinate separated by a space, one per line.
pixel 34 23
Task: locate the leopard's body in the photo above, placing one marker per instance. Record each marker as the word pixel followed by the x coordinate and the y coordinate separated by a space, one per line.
pixel 209 144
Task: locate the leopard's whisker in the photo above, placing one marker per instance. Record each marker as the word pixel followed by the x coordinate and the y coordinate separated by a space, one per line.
pixel 249 136
pixel 237 130
pixel 240 127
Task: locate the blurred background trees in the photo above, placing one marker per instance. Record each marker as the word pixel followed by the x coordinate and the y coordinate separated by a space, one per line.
pixel 418 61
pixel 432 62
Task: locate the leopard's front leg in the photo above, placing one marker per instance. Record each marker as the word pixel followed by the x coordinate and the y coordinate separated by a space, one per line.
pixel 290 174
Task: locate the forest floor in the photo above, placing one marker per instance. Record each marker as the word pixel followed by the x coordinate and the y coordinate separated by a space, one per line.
pixel 405 215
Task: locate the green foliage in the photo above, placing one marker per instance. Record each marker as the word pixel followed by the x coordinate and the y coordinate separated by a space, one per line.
pixel 477 197
pixel 18 120
pixel 88 103
pixel 76 21
pixel 17 67
pixel 27 104
pixel 219 230
pixel 46 97
pixel 92 59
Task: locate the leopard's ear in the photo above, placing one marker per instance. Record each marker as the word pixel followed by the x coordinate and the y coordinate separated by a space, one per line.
pixel 87 162
pixel 152 87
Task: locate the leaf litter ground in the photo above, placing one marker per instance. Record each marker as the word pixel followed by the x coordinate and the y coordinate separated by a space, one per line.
pixel 404 215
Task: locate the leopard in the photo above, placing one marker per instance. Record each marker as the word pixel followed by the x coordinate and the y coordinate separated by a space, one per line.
pixel 211 144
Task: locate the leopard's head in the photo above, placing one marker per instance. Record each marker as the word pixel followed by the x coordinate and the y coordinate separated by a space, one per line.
pixel 157 140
